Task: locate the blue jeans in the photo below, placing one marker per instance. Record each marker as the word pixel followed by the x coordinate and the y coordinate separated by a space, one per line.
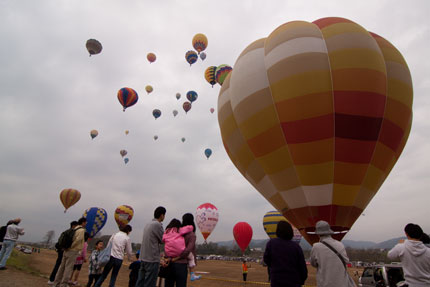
pixel 148 274
pixel 114 264
pixel 179 275
pixel 6 251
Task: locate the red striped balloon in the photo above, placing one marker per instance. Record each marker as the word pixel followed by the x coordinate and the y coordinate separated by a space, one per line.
pixel 242 233
pixel 127 97
pixel 69 197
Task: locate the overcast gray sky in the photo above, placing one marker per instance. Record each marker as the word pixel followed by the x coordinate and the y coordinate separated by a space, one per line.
pixel 52 94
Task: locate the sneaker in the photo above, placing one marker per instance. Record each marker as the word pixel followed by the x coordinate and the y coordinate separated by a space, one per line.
pixel 194 277
pixel 50 282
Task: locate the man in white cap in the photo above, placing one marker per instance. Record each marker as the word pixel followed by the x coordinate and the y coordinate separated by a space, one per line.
pixel 330 258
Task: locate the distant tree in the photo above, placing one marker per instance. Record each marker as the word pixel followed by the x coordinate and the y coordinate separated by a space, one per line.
pixel 47 240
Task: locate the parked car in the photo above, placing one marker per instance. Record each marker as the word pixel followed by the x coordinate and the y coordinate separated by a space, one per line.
pixel 381 275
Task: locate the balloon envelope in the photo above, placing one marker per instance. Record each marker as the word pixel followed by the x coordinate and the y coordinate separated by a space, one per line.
pixel 206 218
pixel 191 57
pixel 270 223
pixel 126 160
pixel 94 133
pixel 93 46
pixel 200 42
pixel 96 219
pixel 126 132
pixel 123 152
pixel 175 112
pixel 183 139
pixel 69 197
pixel 322 121
pixel 208 152
pixel 203 56
pixel 212 110
pixel 178 96
pixel 127 97
pixel 151 57
pixel 192 96
pixel 155 137
pixel 221 73
pixel 123 215
pixel 156 113
pixel 242 233
pixel 210 75
pixel 186 106
pixel 149 89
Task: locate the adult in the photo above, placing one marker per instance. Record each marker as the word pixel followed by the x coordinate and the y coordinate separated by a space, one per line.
pixel 415 257
pixel 331 266
pixel 150 250
pixel 69 256
pixel 179 267
pixel 60 252
pixel 285 258
pixel 10 238
pixel 3 232
pixel 121 244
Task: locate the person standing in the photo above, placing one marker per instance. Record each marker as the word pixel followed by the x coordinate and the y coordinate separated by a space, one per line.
pixel 82 257
pixel 121 243
pixel 94 269
pixel 331 268
pixel 150 250
pixel 244 270
pixel 60 252
pixel 414 255
pixel 12 233
pixel 70 253
pixel 285 258
pixel 134 271
pixel 3 232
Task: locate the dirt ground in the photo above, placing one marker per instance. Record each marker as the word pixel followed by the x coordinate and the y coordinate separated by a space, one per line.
pixel 214 273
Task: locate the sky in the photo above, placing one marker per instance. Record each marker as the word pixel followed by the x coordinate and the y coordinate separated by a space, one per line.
pixel 52 94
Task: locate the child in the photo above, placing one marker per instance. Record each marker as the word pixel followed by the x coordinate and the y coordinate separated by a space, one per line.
pixel 245 270
pixel 79 261
pixel 94 270
pixel 134 267
pixel 175 244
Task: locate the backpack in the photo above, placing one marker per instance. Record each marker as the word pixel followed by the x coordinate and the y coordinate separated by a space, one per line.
pixel 2 232
pixel 66 239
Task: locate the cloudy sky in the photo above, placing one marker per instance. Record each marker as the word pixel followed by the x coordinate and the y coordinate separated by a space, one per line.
pixel 52 94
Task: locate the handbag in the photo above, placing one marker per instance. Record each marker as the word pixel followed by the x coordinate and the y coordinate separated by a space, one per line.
pixel 351 282
pixel 104 255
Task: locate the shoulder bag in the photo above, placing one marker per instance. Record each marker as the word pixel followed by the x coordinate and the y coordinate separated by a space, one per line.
pixel 104 255
pixel 351 282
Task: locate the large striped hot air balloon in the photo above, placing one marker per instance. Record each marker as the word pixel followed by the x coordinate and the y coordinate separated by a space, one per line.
pixel 96 219
pixel 270 224
pixel 221 73
pixel 200 42
pixel 69 197
pixel 206 218
pixel 123 215
pixel 210 75
pixel 315 116
pixel 127 97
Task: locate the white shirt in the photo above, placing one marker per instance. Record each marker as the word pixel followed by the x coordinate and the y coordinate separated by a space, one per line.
pixel 121 244
pixel 12 232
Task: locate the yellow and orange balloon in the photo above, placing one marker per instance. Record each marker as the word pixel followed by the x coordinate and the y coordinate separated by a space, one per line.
pixel 200 42
pixel 69 197
pixel 315 116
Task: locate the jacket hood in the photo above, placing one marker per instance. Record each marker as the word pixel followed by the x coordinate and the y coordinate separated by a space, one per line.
pixel 416 248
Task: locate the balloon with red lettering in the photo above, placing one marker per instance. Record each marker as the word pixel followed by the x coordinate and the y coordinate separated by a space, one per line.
pixel 206 218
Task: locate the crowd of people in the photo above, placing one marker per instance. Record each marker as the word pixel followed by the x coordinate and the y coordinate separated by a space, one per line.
pixel 284 258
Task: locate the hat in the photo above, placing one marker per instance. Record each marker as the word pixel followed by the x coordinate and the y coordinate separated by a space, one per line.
pixel 323 228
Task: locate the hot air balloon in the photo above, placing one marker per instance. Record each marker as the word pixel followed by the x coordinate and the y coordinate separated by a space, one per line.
pixel 149 89
pixel 186 106
pixel 212 110
pixel 192 96
pixel 203 56
pixel 191 57
pixel 208 152
pixel 96 219
pixel 183 139
pixel 175 112
pixel 270 223
pixel 178 96
pixel 155 137
pixel 123 152
pixel 156 113
pixel 126 132
pixel 126 160
pixel 127 97
pixel 200 42
pixel 123 215
pixel 324 117
pixel 151 57
pixel 210 75
pixel 93 46
pixel 242 233
pixel 206 218
pixel 221 73
pixel 94 133
pixel 69 197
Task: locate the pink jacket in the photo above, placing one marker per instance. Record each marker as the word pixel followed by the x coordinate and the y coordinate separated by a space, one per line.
pixel 82 255
pixel 174 241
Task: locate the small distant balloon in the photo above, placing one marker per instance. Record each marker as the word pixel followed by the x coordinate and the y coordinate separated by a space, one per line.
pixel 203 56
pixel 175 113
pixel 191 57
pixel 126 160
pixel 155 137
pixel 94 133
pixel 127 97
pixel 93 46
pixel 183 139
pixel 69 197
pixel 186 106
pixel 151 57
pixel 200 42
pixel 149 89
pixel 208 152
pixel 123 152
pixel 210 75
pixel 221 73
pixel 156 113
pixel 192 96
pixel 126 132
pixel 178 96
pixel 212 110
